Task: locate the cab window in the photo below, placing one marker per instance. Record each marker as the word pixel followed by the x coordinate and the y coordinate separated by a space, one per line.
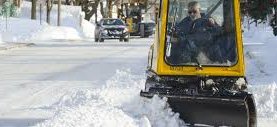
pixel 200 32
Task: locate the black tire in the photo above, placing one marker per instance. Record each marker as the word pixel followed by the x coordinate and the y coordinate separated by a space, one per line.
pixel 141 35
pixel 275 31
pixel 96 39
pixel 126 39
pixel 120 39
pixel 101 40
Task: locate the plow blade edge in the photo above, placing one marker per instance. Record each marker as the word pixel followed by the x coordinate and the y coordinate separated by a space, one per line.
pixel 216 111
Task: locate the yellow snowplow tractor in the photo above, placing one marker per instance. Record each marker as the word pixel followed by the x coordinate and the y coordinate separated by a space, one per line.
pixel 196 61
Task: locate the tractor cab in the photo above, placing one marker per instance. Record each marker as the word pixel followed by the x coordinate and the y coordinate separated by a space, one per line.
pixel 196 61
pixel 210 45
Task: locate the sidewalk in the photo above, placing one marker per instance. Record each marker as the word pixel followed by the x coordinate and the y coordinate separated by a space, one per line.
pixel 11 45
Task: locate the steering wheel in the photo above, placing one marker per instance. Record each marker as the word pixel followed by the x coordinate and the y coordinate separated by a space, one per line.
pixel 202 32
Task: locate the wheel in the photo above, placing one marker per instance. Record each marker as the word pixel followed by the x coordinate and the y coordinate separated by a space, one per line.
pixel 96 39
pixel 120 39
pixel 101 40
pixel 141 35
pixel 126 39
pixel 150 82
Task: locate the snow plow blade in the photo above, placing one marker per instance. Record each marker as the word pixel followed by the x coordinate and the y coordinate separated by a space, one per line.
pixel 235 111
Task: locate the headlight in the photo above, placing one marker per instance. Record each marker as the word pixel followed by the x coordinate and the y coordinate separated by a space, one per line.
pixel 104 32
pixel 125 30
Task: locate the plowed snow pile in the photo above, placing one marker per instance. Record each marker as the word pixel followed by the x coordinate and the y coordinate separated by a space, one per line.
pixel 117 104
pixel 261 72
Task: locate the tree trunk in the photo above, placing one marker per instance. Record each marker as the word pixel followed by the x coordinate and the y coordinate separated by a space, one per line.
pixel 48 10
pixel 110 15
pixel 102 10
pixel 118 12
pixel 48 17
pixel 59 13
pixel 33 11
pixel 95 17
pixel 19 3
pixel 127 10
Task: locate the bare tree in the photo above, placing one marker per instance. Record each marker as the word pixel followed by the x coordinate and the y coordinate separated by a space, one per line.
pixel 90 8
pixel 17 3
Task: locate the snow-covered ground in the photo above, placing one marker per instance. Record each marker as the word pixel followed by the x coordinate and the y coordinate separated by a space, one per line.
pixel 23 29
pixel 79 84
pixel 260 54
pixel 68 80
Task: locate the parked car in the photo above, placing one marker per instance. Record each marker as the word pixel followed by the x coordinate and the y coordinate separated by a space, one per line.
pixel 110 28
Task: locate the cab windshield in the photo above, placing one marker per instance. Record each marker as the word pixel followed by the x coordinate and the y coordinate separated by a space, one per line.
pixel 201 32
pixel 113 22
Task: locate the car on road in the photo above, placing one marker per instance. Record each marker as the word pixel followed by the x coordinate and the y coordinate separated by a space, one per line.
pixel 143 29
pixel 111 28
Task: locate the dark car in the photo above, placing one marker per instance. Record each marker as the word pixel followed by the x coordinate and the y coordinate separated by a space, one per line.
pixel 146 29
pixel 143 29
pixel 109 28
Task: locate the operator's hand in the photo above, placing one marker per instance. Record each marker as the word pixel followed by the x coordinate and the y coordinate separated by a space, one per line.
pixel 173 33
pixel 211 22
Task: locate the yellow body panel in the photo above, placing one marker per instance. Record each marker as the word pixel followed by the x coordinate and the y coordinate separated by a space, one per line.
pixel 160 67
pixel 130 24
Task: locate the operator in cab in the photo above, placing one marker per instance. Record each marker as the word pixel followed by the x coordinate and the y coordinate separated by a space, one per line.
pixel 193 39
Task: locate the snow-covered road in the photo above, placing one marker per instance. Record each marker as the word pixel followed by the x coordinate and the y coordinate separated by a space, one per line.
pixel 33 79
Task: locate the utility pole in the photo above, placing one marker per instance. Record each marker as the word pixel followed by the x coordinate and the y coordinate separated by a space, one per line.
pixel 59 12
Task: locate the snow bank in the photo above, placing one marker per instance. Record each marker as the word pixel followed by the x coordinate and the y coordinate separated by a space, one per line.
pixel 1 39
pixel 258 34
pixel 52 32
pixel 70 17
pixel 88 29
pixel 266 100
pixel 260 52
pixel 19 30
pixel 117 104
pixel 261 72
pixel 24 29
